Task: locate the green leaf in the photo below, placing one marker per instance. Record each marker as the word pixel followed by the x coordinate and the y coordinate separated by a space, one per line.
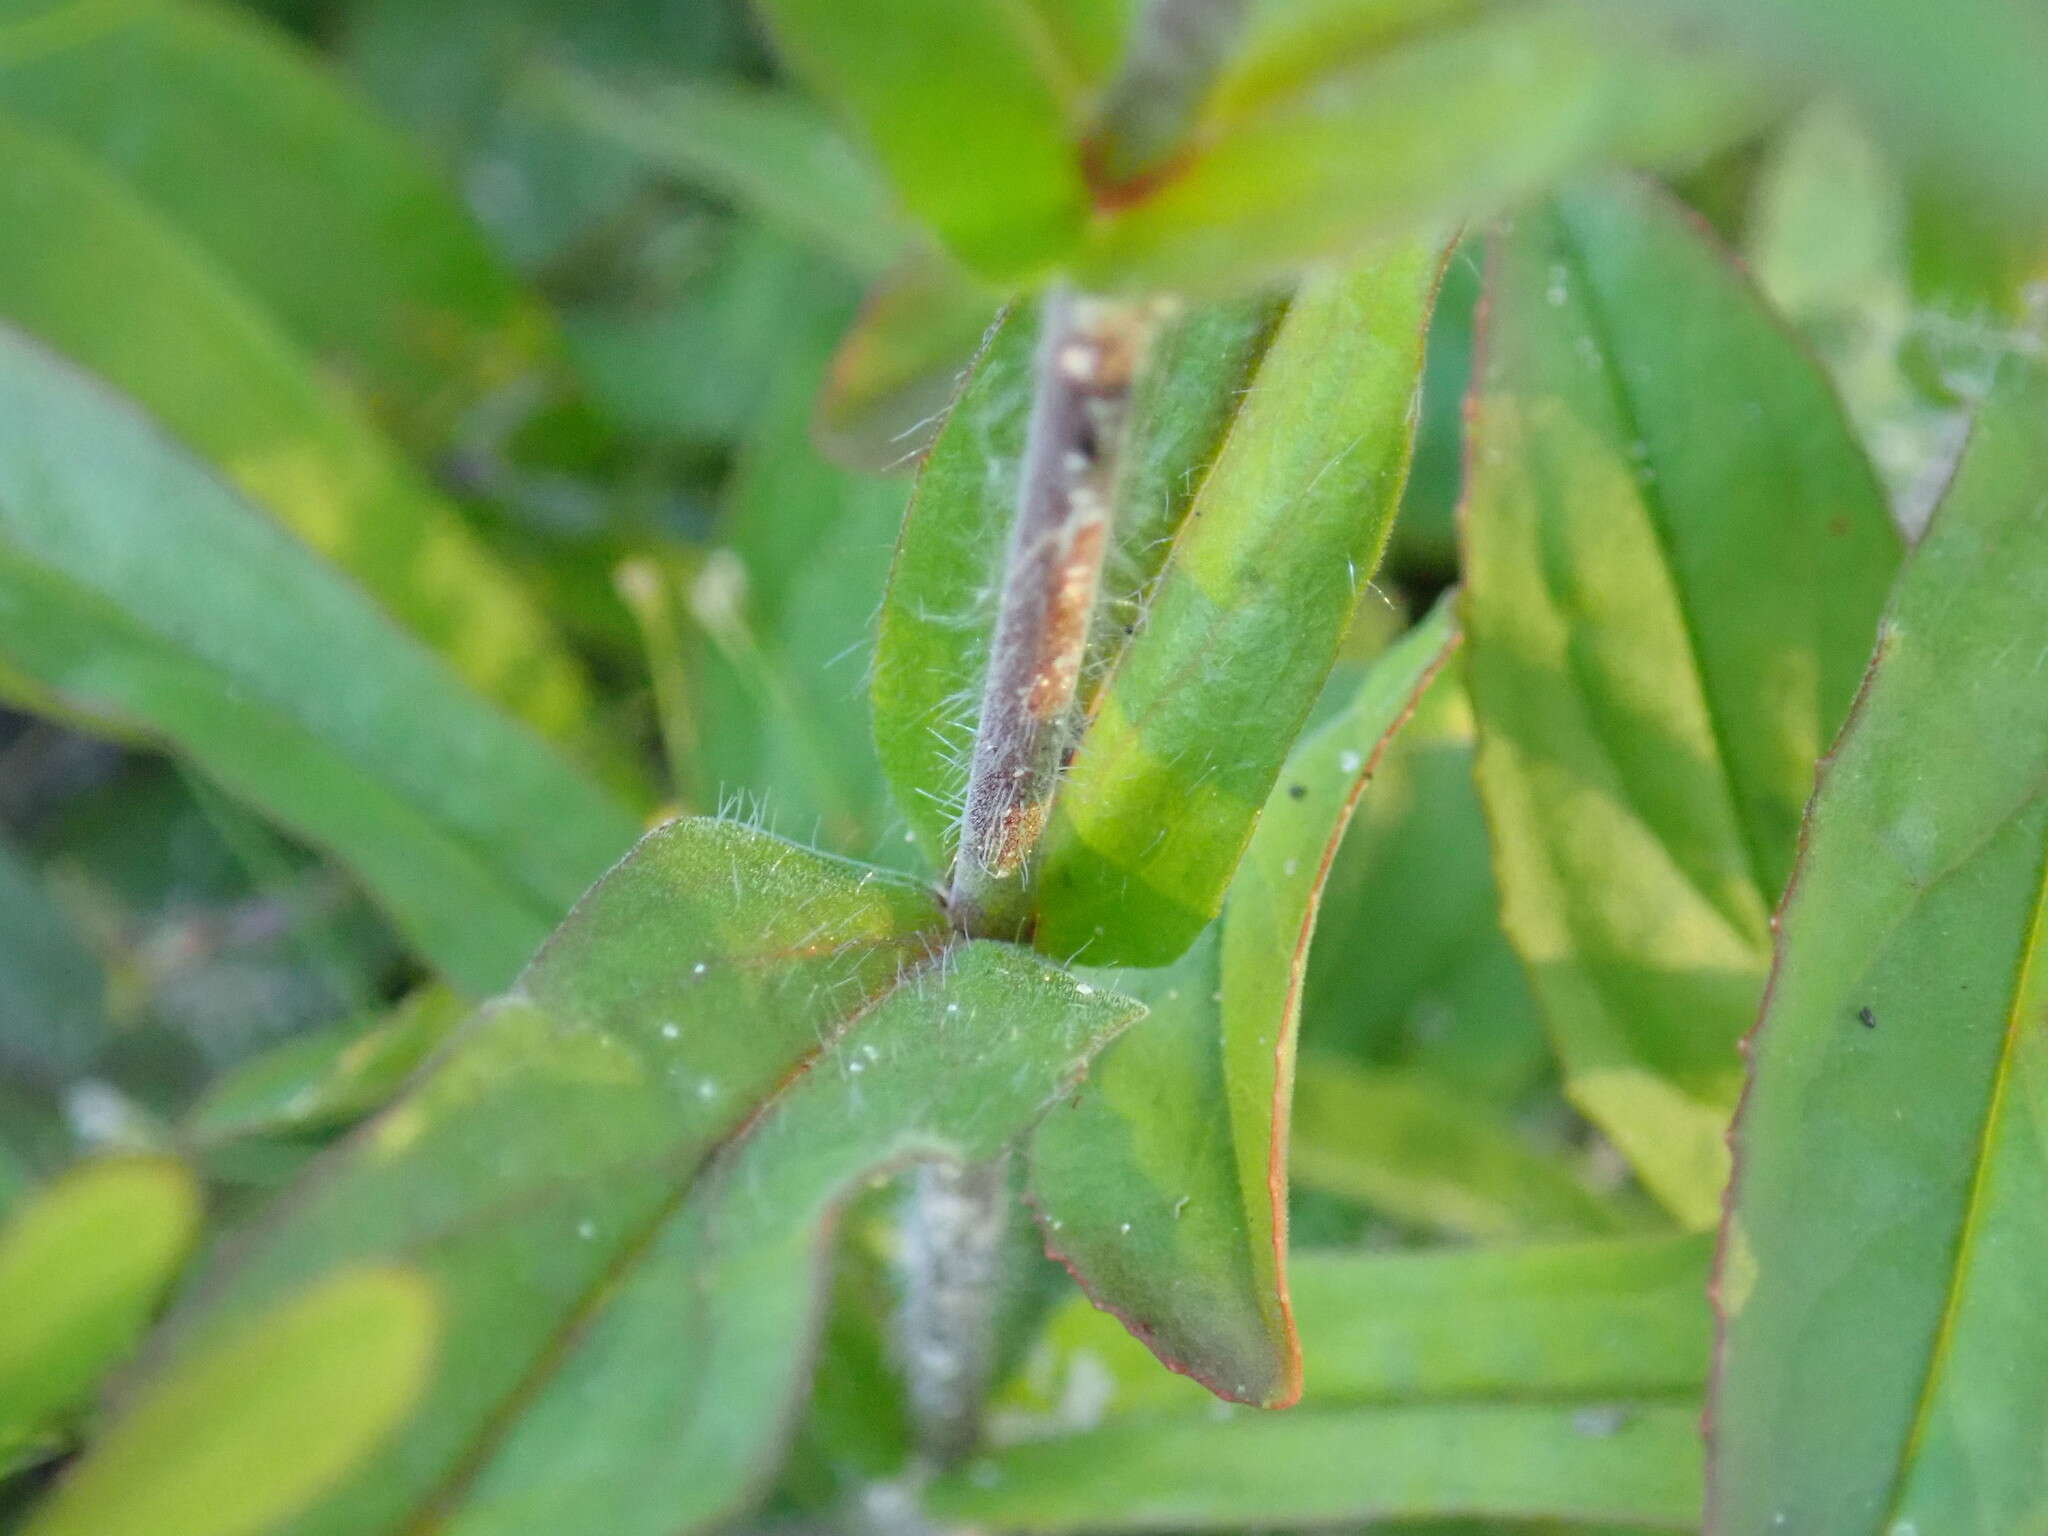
pixel 1342 124
pixel 1242 626
pixel 156 317
pixel 1164 1185
pixel 83 1265
pixel 1675 560
pixel 53 1012
pixel 138 586
pixel 1602 1322
pixel 766 151
pixel 324 1078
pixel 1883 1350
pixel 237 1439
pixel 1411 971
pixel 969 107
pixel 931 646
pixel 1503 1381
pixel 631 1158
pixel 1361 1465
pixel 323 214
pixel 1410 1149
pixel 1958 86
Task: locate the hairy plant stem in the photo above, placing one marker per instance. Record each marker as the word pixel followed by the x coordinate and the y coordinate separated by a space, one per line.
pixel 952 1282
pixel 1088 353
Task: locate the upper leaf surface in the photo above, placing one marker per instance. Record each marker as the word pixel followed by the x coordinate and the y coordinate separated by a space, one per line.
pixel 1164 1185
pixel 158 317
pixel 1883 1354
pixel 1676 556
pixel 630 1159
pixel 1517 1383
pixel 1241 629
pixel 971 106
pixel 931 648
pixel 1339 124
pixel 139 587
pixel 231 1441
pixel 82 1266
pixel 321 211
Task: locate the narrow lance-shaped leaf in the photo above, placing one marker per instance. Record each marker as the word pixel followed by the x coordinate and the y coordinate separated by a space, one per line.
pixel 969 106
pixel 239 1438
pixel 1521 1383
pixel 1345 1468
pixel 156 316
pixel 1410 969
pixel 319 209
pixel 1524 1383
pixel 1412 1149
pixel 323 1079
pixel 633 1158
pixel 137 585
pixel 1164 1185
pixel 1336 126
pixel 1241 628
pixel 1588 1322
pixel 1675 558
pixel 931 646
pixel 83 1265
pixel 1884 1357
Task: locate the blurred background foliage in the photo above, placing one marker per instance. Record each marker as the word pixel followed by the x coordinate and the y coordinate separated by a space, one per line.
pixel 593 352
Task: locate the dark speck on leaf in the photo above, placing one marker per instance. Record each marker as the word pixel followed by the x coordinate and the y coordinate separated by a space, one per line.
pixel 1297 791
pixel 1866 1017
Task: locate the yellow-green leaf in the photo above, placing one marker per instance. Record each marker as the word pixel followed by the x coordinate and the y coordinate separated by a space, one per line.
pixel 1277 549
pixel 83 1265
pixel 1675 558
pixel 1884 1355
pixel 137 585
pixel 244 1433
pixel 322 212
pixel 615 1181
pixel 155 315
pixel 968 104
pixel 1163 1186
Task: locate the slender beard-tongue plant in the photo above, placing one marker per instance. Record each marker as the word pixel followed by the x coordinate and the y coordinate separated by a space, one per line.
pixel 1089 352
